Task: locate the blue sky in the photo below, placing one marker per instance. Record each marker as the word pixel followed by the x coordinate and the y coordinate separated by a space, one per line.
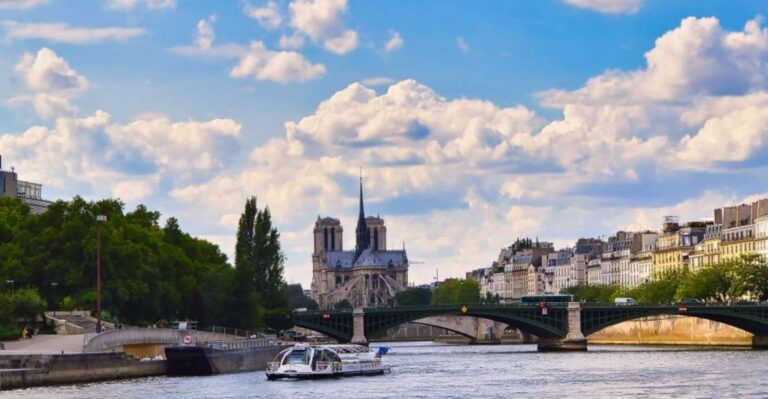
pixel 475 123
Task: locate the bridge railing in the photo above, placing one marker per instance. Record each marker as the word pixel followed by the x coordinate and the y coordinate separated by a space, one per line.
pixel 676 304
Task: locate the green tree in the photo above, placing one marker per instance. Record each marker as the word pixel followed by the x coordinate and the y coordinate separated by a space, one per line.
pixel 456 291
pixel 258 266
pixel 413 297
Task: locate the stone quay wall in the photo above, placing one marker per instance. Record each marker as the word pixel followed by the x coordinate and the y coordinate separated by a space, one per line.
pixel 23 371
pixel 672 330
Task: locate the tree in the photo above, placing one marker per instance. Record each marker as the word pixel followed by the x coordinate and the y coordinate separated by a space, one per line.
pixel 413 297
pixel 258 266
pixel 455 291
pixel 294 294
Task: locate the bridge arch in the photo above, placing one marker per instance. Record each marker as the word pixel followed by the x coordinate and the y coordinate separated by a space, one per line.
pixel 526 319
pixel 753 319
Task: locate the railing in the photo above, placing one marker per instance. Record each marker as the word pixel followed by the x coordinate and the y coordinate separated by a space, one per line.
pixel 242 343
pixel 272 367
pixel 675 304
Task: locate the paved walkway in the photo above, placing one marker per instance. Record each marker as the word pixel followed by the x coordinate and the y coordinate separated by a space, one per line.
pixel 45 344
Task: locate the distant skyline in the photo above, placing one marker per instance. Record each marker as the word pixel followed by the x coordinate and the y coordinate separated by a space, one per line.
pixel 474 123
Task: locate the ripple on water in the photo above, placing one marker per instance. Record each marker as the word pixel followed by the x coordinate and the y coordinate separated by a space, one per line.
pixel 428 370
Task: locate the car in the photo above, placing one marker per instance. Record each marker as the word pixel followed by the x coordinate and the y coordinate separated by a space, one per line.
pixel 691 301
pixel 745 302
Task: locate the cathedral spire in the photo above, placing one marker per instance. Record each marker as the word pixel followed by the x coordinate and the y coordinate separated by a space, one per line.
pixel 362 234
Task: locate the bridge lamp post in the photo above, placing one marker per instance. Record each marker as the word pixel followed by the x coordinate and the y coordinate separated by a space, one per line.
pixel 99 219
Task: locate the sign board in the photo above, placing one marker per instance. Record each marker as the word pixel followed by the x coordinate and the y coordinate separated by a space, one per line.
pixel 188 340
pixel 682 309
pixel 326 316
pixel 182 325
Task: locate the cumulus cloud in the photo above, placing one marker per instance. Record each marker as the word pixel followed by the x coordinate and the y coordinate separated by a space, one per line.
pixel 63 33
pixel 395 41
pixel 149 4
pixel 278 66
pixel 269 17
pixel 321 21
pixel 21 4
pixel 51 83
pixel 129 160
pixel 608 6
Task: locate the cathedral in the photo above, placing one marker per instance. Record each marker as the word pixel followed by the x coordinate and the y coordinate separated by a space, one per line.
pixel 368 276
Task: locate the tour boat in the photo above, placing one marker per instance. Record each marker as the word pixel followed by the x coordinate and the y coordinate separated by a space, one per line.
pixel 304 361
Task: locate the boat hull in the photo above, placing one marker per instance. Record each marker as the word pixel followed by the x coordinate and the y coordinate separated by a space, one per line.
pixel 201 360
pixel 320 376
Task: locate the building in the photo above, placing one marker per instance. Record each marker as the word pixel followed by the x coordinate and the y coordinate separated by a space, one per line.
pixel 368 276
pixel 707 252
pixel 522 261
pixel 738 231
pixel 641 258
pixel 675 245
pixel 31 194
pixel 594 271
pixel 568 267
pixel 614 262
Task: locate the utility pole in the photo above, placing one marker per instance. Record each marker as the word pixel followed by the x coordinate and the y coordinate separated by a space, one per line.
pixel 99 219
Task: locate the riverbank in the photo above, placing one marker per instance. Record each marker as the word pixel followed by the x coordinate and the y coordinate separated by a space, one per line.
pixel 23 371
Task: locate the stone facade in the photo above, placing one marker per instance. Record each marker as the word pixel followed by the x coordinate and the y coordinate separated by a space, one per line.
pixel 368 276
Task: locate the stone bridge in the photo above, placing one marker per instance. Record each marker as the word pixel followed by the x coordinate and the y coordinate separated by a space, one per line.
pixel 145 341
pixel 558 326
pixel 476 329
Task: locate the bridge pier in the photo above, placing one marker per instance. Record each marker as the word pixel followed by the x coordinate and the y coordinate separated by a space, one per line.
pixel 759 341
pixel 574 340
pixel 358 327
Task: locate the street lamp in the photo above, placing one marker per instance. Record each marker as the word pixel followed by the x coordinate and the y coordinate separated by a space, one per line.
pixel 99 219
pixel 53 288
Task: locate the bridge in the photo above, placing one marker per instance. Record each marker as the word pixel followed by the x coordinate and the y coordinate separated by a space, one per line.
pixel 558 326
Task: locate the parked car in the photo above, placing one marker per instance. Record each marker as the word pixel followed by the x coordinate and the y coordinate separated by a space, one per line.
pixel 745 302
pixel 691 301
pixel 624 302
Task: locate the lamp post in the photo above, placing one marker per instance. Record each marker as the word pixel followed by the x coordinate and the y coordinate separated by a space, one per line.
pixel 55 304
pixel 99 219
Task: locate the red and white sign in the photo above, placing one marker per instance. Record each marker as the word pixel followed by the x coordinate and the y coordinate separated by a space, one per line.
pixel 188 340
pixel 326 316
pixel 682 309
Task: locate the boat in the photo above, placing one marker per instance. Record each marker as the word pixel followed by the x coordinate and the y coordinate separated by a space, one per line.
pixel 220 357
pixel 304 361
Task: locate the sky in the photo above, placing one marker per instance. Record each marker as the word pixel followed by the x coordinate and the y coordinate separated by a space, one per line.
pixel 474 123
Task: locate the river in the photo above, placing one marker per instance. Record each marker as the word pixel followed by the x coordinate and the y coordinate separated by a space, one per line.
pixel 430 370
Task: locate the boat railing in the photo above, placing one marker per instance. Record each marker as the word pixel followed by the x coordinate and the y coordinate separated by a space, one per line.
pixel 241 343
pixel 272 367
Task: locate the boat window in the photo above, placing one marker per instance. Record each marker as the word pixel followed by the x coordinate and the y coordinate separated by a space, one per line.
pixel 297 357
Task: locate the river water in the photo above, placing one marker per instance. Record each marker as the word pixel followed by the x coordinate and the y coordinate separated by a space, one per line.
pixel 429 370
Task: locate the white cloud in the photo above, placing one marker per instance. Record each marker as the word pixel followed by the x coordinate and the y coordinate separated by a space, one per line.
pixel 98 155
pixel 609 6
pixel 462 44
pixel 51 81
pixel 63 33
pixel 320 20
pixel 269 16
pixel 205 34
pixel 20 4
pixel 131 4
pixel 278 66
pixel 377 81
pixel 395 41
pixel 293 41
